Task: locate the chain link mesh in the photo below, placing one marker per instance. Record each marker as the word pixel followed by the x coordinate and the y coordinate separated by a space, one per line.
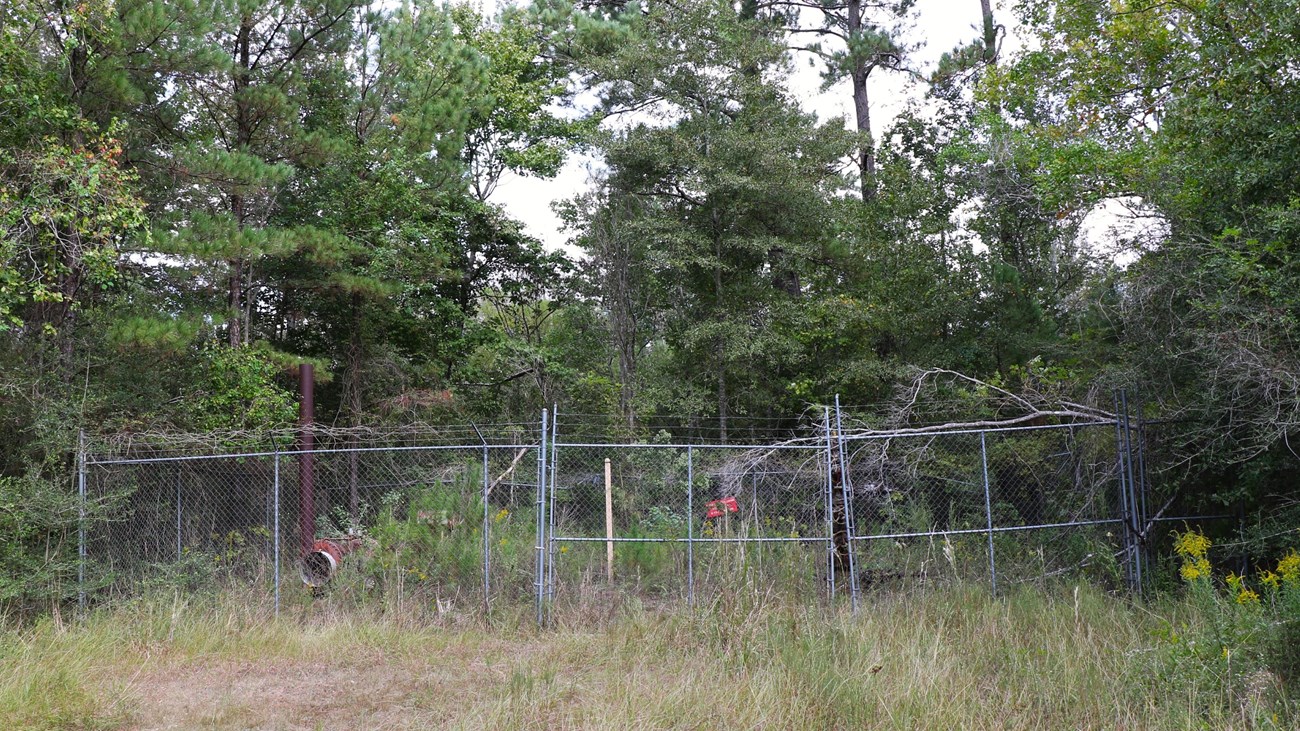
pixel 473 526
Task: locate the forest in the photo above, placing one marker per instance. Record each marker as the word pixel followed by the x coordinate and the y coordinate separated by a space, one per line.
pixel 198 195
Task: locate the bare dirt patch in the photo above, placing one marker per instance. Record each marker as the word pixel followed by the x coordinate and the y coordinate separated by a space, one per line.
pixel 373 694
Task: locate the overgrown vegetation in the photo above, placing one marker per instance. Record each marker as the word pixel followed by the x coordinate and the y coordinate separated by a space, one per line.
pixel 1235 642
pixel 1063 657
pixel 194 197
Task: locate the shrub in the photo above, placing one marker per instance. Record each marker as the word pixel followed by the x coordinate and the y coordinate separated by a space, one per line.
pixel 1238 647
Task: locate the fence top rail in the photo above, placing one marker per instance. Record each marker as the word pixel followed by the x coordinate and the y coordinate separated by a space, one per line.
pixel 817 442
pixel 806 443
pixel 922 432
pixel 92 460
pixel 138 445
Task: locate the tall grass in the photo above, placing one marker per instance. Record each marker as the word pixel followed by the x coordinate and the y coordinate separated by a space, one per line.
pixel 950 657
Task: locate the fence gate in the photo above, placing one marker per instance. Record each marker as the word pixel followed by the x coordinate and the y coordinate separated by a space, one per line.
pixel 524 515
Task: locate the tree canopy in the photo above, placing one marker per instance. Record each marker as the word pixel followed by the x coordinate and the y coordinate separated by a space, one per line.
pixel 195 197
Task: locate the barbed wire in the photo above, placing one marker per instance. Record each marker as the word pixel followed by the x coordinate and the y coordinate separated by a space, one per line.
pixel 175 443
pixel 925 406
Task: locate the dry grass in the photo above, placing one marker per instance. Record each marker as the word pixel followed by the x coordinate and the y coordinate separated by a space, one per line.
pixel 942 659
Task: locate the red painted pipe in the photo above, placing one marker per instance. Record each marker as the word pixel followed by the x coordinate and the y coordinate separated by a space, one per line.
pixel 321 562
pixel 306 477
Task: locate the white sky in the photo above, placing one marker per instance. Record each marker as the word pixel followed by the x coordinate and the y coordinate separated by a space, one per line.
pixel 938 26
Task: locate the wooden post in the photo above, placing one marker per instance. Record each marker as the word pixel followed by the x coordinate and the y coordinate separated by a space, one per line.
pixel 609 521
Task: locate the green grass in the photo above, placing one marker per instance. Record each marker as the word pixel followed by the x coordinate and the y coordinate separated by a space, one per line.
pixel 934 658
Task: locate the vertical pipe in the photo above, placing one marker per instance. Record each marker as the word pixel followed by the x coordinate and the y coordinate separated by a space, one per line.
pixel 690 526
pixel 81 520
pixel 848 505
pixel 988 512
pixel 540 560
pixel 275 530
pixel 306 475
pixel 487 536
pixel 830 518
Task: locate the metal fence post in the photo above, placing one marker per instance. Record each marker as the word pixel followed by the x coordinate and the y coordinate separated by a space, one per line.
pixel 550 509
pixel 1125 508
pixel 690 526
pixel 988 511
pixel 179 544
pixel 849 527
pixel 1132 495
pixel 275 487
pixel 81 520
pixel 540 568
pixel 830 516
pixel 1142 488
pixel 487 535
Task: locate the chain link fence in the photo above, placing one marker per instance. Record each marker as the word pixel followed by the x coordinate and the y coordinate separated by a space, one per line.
pixel 526 518
pixel 449 525
pixel 685 521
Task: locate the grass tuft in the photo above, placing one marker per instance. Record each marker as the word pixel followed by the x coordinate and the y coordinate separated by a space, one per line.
pixel 950 657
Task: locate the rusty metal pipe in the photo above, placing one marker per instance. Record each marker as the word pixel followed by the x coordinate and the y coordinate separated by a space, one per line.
pixel 306 476
pixel 323 560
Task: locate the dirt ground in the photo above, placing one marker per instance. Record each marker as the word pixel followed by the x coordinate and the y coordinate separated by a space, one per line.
pixel 364 693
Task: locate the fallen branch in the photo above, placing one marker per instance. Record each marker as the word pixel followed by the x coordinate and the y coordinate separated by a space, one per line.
pixel 509 471
pixel 1142 534
pixel 978 425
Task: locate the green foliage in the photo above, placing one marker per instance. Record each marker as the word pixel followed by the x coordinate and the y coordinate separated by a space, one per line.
pixel 195 197
pixel 1185 108
pixel 65 212
pixel 240 392
pixel 38 557
pixel 430 538
pixel 736 196
pixel 1235 649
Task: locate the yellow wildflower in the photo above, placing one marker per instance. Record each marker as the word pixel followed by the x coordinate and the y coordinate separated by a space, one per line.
pixel 1247 597
pixel 1195 569
pixel 1269 579
pixel 1289 568
pixel 1193 547
pixel 501 515
pixel 1193 544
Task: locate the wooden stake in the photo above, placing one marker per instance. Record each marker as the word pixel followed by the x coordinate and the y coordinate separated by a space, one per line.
pixel 609 521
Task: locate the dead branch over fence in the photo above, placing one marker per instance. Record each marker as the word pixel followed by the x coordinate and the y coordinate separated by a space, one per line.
pixel 517 514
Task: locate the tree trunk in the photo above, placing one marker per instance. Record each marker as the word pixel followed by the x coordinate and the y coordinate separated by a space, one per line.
pixel 721 340
pixel 619 300
pixel 839 524
pixel 234 300
pixel 243 136
pixel 62 313
pixel 785 277
pixel 990 33
pixel 862 107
